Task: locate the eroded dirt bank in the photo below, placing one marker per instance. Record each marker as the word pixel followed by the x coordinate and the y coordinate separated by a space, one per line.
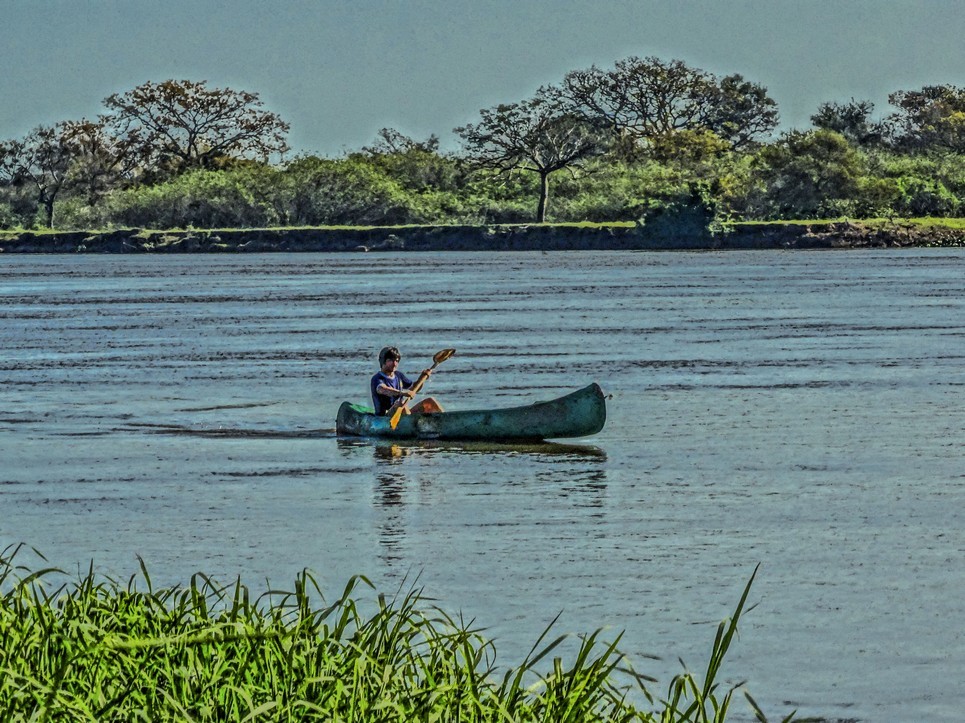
pixel 484 238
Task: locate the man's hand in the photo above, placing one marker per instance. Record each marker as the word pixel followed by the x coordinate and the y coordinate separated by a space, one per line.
pixel 404 396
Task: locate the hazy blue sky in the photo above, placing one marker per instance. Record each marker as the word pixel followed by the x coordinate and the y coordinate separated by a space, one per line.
pixel 338 70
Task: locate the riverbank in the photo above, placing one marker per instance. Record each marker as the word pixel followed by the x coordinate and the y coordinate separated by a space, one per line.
pixel 531 237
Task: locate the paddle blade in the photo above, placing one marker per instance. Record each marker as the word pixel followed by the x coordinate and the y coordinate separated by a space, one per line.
pixel 396 416
pixel 441 356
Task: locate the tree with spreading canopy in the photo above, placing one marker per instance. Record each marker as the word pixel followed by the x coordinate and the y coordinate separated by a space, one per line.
pixel 647 102
pixel 541 135
pixel 179 125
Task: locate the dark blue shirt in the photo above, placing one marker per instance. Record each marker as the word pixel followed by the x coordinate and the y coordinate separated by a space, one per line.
pixel 381 402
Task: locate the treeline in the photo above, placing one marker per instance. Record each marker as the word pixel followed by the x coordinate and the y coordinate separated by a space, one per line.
pixel 613 144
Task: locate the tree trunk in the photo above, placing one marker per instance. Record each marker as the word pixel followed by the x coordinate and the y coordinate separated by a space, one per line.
pixel 49 211
pixel 544 192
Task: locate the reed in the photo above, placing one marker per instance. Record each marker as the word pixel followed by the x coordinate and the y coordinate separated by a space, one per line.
pixel 94 649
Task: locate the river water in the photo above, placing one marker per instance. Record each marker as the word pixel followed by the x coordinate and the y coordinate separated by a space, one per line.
pixel 801 410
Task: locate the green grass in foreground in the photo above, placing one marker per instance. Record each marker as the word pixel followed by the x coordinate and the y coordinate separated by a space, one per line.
pixel 91 650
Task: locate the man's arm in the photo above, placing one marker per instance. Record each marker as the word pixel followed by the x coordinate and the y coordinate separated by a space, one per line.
pixel 388 391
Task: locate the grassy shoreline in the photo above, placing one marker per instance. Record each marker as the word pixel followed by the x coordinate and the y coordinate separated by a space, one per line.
pixel 663 234
pixel 93 649
pixel 925 222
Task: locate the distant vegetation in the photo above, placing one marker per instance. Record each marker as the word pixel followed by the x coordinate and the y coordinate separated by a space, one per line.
pixel 602 145
pixel 91 650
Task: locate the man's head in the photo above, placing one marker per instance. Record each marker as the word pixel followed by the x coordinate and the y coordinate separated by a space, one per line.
pixel 389 352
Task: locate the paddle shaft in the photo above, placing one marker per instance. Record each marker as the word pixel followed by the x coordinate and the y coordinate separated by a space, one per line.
pixel 400 410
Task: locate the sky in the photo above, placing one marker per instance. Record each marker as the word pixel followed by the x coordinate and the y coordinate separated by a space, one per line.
pixel 339 70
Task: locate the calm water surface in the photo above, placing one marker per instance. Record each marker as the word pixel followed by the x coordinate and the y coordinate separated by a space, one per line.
pixel 799 410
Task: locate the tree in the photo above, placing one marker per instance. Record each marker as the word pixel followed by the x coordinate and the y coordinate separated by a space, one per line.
pixel 72 156
pixel 806 175
pixel 541 135
pixel 930 118
pixel 389 141
pixel 41 160
pixel 416 165
pixel 740 112
pixel 648 101
pixel 178 125
pixel 852 120
pixel 101 161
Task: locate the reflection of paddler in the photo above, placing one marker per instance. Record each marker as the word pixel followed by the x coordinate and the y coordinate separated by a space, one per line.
pixel 390 451
pixel 392 389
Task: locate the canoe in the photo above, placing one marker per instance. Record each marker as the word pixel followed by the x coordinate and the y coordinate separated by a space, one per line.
pixel 578 414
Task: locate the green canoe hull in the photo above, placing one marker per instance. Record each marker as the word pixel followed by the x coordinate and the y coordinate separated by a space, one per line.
pixel 576 415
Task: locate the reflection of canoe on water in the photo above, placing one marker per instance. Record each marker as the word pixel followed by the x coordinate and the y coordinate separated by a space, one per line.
pixel 391 448
pixel 576 415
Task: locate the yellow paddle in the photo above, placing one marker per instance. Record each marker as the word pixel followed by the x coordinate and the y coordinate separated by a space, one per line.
pixel 439 357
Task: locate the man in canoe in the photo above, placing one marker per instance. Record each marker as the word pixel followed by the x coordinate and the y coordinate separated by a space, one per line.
pixel 391 388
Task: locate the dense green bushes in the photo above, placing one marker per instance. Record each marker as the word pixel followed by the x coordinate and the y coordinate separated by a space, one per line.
pixel 817 174
pixel 814 174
